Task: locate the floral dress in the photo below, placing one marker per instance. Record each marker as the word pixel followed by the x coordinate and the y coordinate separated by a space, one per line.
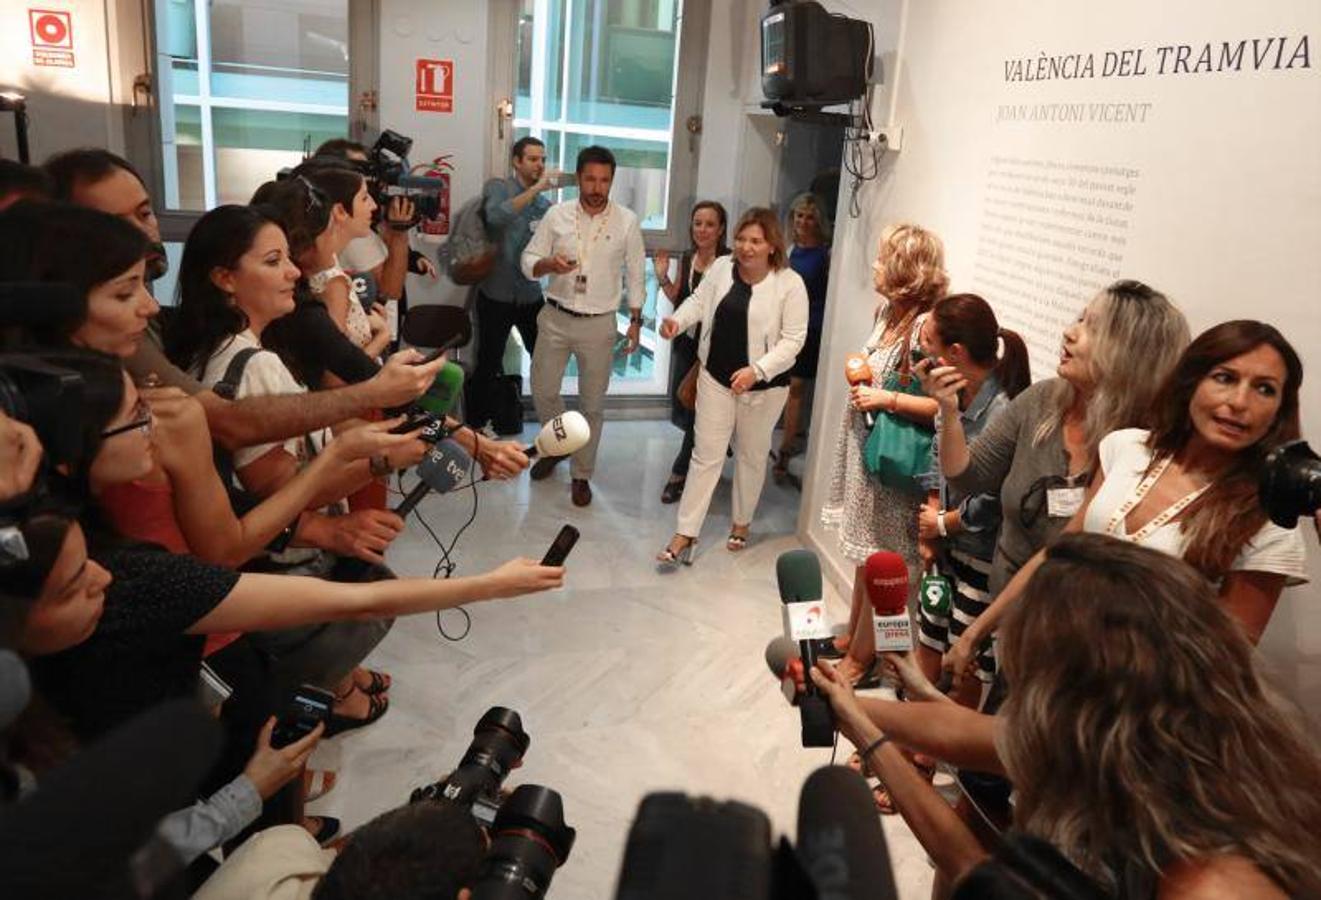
pixel 869 516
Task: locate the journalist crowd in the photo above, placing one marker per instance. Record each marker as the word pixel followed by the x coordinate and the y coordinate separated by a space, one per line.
pixel 196 510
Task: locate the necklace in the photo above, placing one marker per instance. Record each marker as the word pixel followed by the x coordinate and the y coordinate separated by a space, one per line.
pixel 1117 527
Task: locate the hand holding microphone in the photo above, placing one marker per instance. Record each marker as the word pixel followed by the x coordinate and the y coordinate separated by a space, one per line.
pixel 887 591
pixel 858 375
pixel 563 435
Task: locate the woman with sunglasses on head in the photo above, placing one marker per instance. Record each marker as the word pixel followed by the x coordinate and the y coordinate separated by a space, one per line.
pixel 707 226
pixel 1040 453
pixel 1188 486
pixel 909 276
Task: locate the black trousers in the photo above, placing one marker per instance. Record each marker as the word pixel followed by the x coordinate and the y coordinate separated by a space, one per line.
pixel 495 319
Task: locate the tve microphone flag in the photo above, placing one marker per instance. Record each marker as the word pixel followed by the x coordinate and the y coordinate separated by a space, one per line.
pixel 444 467
pixel 887 590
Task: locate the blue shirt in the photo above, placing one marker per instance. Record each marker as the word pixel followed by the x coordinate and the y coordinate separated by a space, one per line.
pixel 979 513
pixel 813 266
pixel 511 230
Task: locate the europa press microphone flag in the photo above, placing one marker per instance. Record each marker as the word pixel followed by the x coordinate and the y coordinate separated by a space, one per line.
pixel 887 589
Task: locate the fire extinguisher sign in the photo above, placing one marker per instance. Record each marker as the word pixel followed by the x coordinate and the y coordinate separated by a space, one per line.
pixel 434 85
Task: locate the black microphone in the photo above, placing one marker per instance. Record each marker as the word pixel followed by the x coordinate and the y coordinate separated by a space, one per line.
pixel 444 467
pixel 798 573
pixel 437 326
pixel 840 843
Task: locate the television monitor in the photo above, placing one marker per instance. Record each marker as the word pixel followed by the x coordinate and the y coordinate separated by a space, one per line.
pixel 811 57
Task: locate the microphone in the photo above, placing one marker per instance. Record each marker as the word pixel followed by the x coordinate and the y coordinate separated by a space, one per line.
pixel 787 666
pixel 444 392
pixel 441 470
pixel 798 573
pixel 566 433
pixel 437 326
pixel 857 372
pixel 887 590
pixel 840 842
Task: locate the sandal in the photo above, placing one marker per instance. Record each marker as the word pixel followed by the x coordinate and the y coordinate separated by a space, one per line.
pixel 317 783
pixel 337 724
pixel 884 802
pixel 377 682
pixel 326 828
pixel 736 541
pixel 670 557
pixel 672 491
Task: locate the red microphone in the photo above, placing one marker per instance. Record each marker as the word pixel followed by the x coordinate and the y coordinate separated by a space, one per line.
pixel 786 664
pixel 857 372
pixel 887 590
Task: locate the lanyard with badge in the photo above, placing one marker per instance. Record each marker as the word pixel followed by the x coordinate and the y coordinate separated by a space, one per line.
pixel 580 277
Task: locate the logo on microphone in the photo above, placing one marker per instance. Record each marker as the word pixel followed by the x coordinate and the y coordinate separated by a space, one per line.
pixel 557 424
pixel 901 581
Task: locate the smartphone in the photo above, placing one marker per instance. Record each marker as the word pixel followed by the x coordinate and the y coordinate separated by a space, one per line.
pixel 414 421
pixel 559 551
pixel 309 706
pixel 915 355
pixel 564 179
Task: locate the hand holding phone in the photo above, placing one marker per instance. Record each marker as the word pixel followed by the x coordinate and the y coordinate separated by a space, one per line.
pixel 309 707
pixel 559 550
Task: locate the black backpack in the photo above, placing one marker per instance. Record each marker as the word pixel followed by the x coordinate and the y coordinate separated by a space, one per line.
pixel 507 404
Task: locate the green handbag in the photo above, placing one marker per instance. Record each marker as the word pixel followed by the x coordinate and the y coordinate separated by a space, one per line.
pixel 898 450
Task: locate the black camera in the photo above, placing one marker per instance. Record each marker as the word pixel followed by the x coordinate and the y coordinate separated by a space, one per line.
pixel 1290 483
pixel 498 744
pixel 45 396
pixel 389 175
pixel 529 841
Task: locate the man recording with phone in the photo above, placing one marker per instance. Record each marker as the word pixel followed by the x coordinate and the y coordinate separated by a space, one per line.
pixel 506 299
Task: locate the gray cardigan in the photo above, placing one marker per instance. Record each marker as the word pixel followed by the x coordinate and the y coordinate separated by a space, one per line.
pixel 1003 457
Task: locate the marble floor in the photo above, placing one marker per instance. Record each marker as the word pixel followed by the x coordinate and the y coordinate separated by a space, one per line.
pixel 628 680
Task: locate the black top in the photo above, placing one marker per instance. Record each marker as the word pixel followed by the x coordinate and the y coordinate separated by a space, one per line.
pixel 139 655
pixel 311 345
pixel 729 337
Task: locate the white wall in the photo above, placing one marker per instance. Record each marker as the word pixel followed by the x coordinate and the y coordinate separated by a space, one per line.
pixel 70 107
pixel 1225 182
pixel 456 30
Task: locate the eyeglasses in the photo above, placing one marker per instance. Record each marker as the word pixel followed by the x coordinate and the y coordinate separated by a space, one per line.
pixel 1034 501
pixel 141 420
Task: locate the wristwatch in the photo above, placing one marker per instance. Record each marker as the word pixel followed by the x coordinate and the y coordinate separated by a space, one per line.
pixel 635 317
pixel 280 542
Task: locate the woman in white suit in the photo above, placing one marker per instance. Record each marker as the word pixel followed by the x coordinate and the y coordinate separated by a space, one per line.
pixel 753 311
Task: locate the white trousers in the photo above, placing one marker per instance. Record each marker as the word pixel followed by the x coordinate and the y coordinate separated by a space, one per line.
pixel 750 419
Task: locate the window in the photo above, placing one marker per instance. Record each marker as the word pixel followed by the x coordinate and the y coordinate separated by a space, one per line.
pixel 607 72
pixel 247 87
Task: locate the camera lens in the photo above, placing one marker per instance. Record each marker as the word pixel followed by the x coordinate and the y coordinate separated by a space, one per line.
pixel 498 743
pixel 530 841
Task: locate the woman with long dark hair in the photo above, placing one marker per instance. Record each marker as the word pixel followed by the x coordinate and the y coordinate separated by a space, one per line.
pixel 707 227
pixel 1142 738
pixel 959 529
pixel 1188 486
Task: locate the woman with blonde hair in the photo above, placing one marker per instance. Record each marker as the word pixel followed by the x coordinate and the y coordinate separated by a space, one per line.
pixel 1141 738
pixel 1188 487
pixel 753 311
pixel 909 275
pixel 809 256
pixel 1040 452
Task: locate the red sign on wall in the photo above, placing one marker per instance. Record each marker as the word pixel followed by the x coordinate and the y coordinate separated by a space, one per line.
pixel 52 37
pixel 434 85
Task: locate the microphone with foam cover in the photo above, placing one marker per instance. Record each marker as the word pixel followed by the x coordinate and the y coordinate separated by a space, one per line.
pixel 437 326
pixel 840 842
pixel 444 392
pixel 565 434
pixel 858 372
pixel 444 467
pixel 786 665
pixel 887 591
pixel 798 573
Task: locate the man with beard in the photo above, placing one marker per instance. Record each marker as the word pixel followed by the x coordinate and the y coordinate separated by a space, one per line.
pixel 583 245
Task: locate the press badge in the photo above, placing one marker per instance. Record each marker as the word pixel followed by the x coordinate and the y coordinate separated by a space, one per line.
pixel 1064 502
pixel 580 283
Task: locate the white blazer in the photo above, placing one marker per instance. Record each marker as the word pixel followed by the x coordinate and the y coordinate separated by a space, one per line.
pixel 777 316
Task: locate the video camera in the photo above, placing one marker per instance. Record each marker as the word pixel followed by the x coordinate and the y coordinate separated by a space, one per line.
pixel 529 838
pixel 42 394
pixel 389 175
pixel 1290 483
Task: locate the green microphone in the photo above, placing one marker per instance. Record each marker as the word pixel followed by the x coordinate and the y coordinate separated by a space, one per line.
pixel 444 392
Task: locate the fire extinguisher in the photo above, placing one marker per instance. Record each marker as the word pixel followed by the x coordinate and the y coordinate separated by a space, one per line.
pixel 437 174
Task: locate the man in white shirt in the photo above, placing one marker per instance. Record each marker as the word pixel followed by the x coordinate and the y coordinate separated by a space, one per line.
pixel 583 245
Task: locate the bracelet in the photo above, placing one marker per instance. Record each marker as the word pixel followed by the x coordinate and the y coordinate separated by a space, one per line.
pixel 894 402
pixel 940 524
pixel 635 317
pixel 873 747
